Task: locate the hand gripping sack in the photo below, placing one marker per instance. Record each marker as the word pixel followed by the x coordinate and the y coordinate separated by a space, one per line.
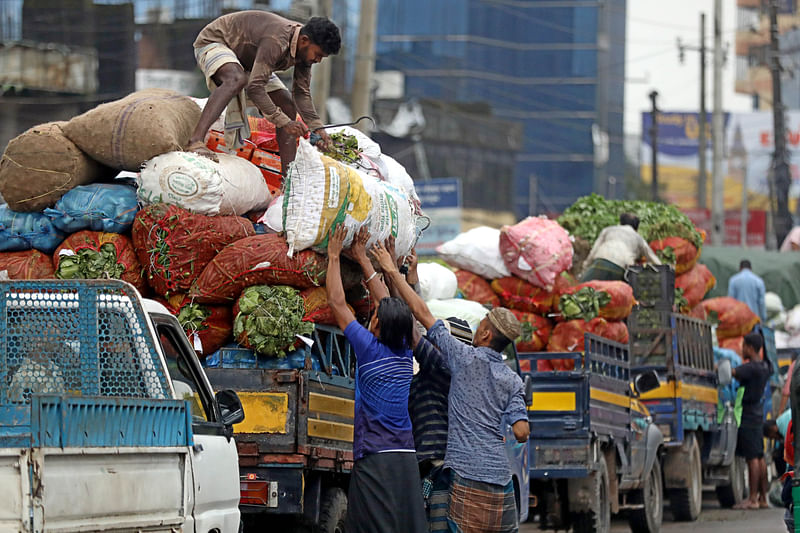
pixel 98 255
pixel 174 245
pixel 683 253
pixel 125 133
pixel 477 289
pixel 98 207
pixel 735 317
pixel 621 295
pixel 208 326
pixel 321 193
pixel 234 186
pixel 696 283
pixel 42 164
pixel 436 282
pixel 23 231
pixel 476 250
pixel 30 264
pixel 536 250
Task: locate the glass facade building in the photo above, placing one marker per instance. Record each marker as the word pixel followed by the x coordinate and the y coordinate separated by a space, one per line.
pixel 558 67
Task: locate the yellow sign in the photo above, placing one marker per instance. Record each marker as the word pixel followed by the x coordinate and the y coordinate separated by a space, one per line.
pixel 264 412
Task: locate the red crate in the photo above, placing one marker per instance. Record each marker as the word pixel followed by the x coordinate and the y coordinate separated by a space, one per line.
pixel 216 142
pixel 270 165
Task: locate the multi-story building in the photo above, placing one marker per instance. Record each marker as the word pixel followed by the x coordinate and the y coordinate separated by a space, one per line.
pixel 557 66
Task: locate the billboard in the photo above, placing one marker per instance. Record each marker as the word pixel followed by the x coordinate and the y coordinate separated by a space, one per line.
pixel 748 146
pixel 441 201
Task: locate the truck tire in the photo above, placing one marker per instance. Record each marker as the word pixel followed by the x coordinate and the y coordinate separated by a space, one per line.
pixel 598 520
pixel 332 511
pixel 686 503
pixel 651 495
pixel 735 491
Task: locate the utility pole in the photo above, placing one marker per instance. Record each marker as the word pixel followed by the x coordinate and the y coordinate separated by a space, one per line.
pixel 321 79
pixel 780 157
pixel 718 184
pixel 365 62
pixel 654 144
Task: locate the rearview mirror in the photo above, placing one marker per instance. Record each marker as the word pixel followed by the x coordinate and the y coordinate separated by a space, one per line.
pixel 724 372
pixel 528 390
pixel 230 407
pixel 646 382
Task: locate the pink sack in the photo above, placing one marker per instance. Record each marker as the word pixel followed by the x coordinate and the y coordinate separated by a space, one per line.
pixel 536 250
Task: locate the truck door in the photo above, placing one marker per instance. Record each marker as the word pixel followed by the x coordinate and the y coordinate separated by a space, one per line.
pixel 215 468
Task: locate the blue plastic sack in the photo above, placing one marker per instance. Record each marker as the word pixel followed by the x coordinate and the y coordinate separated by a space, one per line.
pixel 97 207
pixel 23 231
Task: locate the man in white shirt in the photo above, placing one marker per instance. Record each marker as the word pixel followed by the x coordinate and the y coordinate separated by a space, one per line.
pixel 617 248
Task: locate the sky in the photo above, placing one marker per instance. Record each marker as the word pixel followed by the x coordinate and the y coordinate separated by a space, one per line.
pixel 653 27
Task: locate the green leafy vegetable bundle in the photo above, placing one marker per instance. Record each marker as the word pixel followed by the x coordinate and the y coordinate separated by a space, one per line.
pixel 584 304
pixel 91 264
pixel 589 215
pixel 345 148
pixel 268 318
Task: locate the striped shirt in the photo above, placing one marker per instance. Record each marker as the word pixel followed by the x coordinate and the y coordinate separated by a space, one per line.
pixel 428 402
pixel 383 379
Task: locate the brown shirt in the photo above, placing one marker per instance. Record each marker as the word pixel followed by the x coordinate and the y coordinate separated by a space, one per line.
pixel 265 43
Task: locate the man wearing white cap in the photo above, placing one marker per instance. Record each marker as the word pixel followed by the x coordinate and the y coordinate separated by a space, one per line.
pixel 483 392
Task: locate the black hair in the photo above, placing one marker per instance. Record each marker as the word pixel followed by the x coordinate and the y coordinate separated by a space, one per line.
pixel 745 263
pixel 499 341
pixel 629 219
pixel 324 33
pixel 396 324
pixel 754 340
pixel 768 426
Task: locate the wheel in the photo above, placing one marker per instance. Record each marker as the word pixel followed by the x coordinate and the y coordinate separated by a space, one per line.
pixel 735 491
pixel 599 519
pixel 649 518
pixel 687 503
pixel 333 511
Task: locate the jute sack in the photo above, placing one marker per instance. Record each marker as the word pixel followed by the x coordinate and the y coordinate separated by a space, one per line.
pixel 41 165
pixel 125 133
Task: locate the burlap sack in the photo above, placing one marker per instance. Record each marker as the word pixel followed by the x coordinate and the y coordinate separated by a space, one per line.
pixel 41 165
pixel 125 133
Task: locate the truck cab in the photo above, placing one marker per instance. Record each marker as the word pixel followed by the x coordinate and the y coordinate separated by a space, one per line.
pixel 94 433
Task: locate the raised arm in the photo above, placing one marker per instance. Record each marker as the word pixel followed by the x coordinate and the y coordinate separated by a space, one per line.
pixel 648 252
pixel 398 282
pixel 359 252
pixel 333 284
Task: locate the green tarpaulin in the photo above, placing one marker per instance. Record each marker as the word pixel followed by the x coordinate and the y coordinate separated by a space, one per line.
pixel 780 270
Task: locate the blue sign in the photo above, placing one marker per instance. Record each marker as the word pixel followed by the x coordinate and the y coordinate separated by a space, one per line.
pixel 678 132
pixel 441 201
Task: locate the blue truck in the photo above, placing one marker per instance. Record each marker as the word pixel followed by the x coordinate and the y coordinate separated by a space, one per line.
pixel 593 448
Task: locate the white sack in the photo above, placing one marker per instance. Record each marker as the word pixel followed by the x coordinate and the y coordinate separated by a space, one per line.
pixel 436 282
pixel 472 312
pixel 478 251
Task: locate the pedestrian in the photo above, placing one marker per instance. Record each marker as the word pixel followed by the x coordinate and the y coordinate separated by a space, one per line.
pixel 748 287
pixel 239 54
pixel 617 248
pixel 753 376
pixel 483 393
pixel 384 493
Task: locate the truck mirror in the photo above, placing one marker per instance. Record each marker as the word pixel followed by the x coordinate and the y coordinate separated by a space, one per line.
pixel 528 390
pixel 724 373
pixel 646 382
pixel 230 407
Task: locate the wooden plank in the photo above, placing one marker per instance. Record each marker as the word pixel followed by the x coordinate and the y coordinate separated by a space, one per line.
pixel 332 405
pixel 324 429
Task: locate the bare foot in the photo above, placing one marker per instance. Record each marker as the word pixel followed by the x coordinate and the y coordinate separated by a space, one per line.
pixel 746 505
pixel 199 148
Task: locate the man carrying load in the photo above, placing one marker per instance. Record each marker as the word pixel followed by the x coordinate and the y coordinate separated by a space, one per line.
pixel 239 54
pixel 617 248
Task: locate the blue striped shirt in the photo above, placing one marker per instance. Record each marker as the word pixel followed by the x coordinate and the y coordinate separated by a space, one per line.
pixel 428 402
pixel 383 379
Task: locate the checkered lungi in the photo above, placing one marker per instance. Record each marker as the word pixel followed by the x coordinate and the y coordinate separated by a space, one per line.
pixel 603 270
pixel 477 507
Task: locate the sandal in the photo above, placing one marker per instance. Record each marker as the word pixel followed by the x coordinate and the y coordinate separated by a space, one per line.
pixel 199 148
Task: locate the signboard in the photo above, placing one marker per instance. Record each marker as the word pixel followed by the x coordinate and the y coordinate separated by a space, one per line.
pixel 441 201
pixel 756 226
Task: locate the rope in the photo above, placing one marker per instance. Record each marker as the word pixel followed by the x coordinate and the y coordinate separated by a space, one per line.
pixel 64 186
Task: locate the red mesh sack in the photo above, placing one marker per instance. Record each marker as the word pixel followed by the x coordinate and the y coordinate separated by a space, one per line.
pixel 698 312
pixel 475 288
pixel 686 253
pixel 735 317
pixel 621 297
pixel 516 293
pixel 568 337
pixel 262 260
pixel 208 327
pixel 30 264
pixel 536 250
pixel 316 305
pixel 732 343
pixel 175 245
pixel 535 332
pixel 131 270
pixel 695 284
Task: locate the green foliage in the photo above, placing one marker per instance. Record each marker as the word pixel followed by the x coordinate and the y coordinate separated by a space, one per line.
pixel 589 215
pixel 90 264
pixel 269 318
pixel 345 148
pixel 667 255
pixel 680 302
pixel 585 303
pixel 191 317
pixel 528 330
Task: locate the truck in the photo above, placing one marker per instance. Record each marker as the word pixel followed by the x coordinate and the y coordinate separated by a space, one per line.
pixel 98 432
pixel 594 450
pixel 296 443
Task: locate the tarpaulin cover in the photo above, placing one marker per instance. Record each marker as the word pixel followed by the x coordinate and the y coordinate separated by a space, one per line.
pixel 23 231
pixel 98 207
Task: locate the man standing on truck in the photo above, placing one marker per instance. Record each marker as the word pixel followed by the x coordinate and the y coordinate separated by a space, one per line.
pixel 617 248
pixel 483 391
pixel 239 54
pixel 753 376
pixel 749 288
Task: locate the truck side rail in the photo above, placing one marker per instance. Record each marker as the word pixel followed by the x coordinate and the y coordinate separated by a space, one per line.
pixel 695 347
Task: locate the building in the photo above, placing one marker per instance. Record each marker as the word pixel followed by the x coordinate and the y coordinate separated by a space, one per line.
pixel 558 66
pixel 753 76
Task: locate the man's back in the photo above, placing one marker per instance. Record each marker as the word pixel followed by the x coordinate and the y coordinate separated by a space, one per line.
pixel 621 245
pixel 749 288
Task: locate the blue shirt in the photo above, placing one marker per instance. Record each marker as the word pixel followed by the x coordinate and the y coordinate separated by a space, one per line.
pixel 427 403
pixel 783 422
pixel 749 288
pixel 483 391
pixel 383 377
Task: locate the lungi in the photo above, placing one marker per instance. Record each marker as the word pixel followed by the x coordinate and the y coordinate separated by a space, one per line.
pixel 477 507
pixel 385 495
pixel 603 270
pixel 436 492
